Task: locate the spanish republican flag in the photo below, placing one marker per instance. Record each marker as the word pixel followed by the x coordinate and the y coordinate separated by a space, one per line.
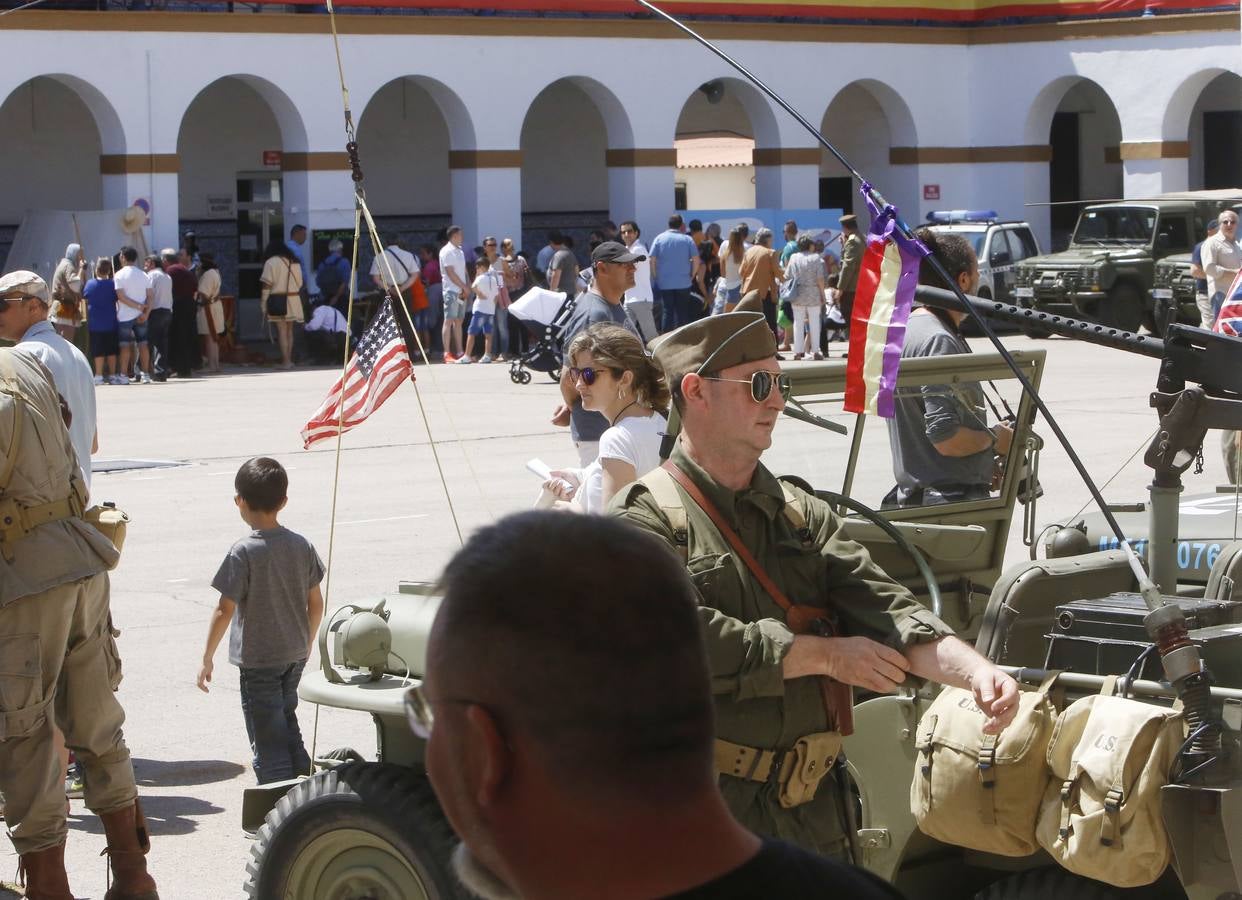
pixel 882 300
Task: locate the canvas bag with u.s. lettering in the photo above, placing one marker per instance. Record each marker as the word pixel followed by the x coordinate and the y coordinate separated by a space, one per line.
pixel 978 790
pixel 1109 757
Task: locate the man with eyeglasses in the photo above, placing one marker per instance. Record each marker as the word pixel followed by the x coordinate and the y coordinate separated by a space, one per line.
pixel 613 268
pixel 589 774
pixel 793 609
pixel 1221 257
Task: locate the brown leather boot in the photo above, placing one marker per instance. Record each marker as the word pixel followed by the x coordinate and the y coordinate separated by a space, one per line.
pixel 43 873
pixel 128 844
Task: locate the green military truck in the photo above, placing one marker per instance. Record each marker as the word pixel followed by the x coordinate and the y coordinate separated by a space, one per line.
pixel 1107 272
pixel 1174 290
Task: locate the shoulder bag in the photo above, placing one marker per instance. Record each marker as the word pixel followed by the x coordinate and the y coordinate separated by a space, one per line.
pixel 277 306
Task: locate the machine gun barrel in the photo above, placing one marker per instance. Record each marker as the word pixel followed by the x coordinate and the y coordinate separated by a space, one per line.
pixel 1091 332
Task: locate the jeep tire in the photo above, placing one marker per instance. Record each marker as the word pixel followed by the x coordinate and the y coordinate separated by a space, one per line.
pixel 360 830
pixel 1122 308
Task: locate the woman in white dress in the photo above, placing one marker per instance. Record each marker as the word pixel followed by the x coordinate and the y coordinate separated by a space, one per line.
pixel 614 376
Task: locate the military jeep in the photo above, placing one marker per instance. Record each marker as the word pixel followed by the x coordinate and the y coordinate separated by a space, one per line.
pixel 1173 292
pixel 1106 273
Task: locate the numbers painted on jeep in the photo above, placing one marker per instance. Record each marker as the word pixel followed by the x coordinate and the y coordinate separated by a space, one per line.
pixel 1191 555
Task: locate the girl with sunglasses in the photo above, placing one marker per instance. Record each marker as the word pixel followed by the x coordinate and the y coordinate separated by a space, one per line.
pixel 614 376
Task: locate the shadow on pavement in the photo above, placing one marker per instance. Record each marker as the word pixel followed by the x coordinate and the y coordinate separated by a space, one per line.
pixel 165 816
pixel 183 772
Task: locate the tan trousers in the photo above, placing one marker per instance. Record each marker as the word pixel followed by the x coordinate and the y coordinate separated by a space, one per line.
pixel 57 653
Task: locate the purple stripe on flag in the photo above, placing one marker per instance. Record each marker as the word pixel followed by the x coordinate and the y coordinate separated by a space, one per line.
pixel 884 228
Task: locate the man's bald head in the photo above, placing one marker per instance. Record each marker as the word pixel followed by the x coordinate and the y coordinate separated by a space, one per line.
pixel 583 633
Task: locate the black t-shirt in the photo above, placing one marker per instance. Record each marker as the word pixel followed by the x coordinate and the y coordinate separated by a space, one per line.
pixel 783 871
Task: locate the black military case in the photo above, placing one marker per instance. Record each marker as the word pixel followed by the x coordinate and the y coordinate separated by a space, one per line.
pixel 1105 635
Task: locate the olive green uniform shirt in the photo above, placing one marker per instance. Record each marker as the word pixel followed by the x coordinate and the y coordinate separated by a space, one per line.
pixel 747 637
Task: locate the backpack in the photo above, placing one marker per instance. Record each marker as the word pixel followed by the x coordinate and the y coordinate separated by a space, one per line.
pixel 328 276
pixel 978 790
pixel 1101 816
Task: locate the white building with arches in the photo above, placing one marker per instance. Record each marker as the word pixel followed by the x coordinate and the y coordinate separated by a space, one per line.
pixel 507 125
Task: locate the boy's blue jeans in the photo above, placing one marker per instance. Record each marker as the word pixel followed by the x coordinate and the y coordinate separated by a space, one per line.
pixel 269 698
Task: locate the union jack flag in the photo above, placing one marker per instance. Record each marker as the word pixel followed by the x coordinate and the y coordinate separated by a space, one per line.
pixel 1229 320
pixel 379 365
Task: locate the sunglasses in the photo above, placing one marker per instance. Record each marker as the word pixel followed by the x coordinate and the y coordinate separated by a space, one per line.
pixel 588 375
pixel 761 384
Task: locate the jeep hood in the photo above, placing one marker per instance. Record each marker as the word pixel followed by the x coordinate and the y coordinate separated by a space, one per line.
pixel 1078 256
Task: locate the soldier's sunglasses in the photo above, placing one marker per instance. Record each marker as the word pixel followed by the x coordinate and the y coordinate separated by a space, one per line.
pixel 761 384
pixel 588 375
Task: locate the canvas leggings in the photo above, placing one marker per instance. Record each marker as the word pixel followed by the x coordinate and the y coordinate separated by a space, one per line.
pixel 58 656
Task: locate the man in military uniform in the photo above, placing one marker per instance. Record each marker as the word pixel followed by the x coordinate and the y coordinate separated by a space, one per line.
pixel 769 672
pixel 58 659
pixel 852 249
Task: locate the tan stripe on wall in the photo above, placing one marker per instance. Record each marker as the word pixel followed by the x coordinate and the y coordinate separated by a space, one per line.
pixel 788 156
pixel 636 157
pixel 139 164
pixel 908 156
pixel 317 161
pixel 485 159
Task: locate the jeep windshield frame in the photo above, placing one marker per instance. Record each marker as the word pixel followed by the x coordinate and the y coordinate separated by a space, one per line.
pixel 1104 226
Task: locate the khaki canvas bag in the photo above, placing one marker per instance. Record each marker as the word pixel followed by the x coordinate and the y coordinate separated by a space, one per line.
pixel 979 790
pixel 1101 818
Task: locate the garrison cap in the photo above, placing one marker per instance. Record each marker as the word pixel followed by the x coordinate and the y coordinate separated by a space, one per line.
pixel 849 219
pixel 25 283
pixel 750 303
pixel 712 344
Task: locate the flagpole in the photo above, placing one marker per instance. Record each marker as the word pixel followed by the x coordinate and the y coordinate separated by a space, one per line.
pixel 878 200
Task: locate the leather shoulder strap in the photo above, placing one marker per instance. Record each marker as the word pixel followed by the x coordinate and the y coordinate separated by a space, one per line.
pixel 729 535
pixel 664 492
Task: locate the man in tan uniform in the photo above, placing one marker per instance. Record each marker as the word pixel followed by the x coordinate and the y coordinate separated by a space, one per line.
pixel 58 660
pixel 774 667
pixel 852 249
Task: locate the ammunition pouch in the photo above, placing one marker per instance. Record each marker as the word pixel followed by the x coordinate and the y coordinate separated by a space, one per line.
pixel 108 521
pixel 796 772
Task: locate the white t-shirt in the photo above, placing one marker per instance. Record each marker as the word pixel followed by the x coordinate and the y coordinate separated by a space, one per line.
pixel 326 318
pixel 133 282
pixel 642 276
pixel 161 286
pixel 402 263
pixel 486 287
pixel 635 440
pixel 452 258
pixel 730 268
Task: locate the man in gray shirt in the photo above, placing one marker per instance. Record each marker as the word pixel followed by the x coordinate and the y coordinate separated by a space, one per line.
pixel 563 269
pixel 943 450
pixel 603 302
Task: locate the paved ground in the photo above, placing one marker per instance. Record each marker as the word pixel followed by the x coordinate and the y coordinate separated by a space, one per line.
pixel 393 523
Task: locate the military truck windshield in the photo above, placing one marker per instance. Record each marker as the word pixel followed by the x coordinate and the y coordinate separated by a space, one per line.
pixel 1115 225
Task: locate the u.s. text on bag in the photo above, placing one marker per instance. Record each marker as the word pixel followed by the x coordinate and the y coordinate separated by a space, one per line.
pixel 977 790
pixel 1109 757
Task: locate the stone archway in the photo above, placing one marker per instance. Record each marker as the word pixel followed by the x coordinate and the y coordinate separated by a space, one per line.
pixel 872 126
pixel 1078 120
pixel 1206 112
pixel 567 132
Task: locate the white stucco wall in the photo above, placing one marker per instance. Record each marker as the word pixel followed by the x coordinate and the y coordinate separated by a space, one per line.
pixel 138 86
pixel 405 141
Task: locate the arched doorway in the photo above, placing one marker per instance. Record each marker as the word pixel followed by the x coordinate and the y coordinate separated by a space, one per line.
pixel 1078 121
pixel 865 121
pixel 564 142
pixel 1214 130
pixel 56 128
pixel 241 186
pixel 715 141
pixel 405 135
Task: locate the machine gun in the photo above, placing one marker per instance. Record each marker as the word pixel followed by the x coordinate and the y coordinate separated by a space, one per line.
pixel 1199 387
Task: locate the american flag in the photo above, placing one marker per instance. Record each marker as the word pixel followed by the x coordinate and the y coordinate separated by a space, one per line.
pixel 379 365
pixel 1229 321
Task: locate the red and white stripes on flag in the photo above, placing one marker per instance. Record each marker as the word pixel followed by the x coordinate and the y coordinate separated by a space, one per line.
pixel 379 365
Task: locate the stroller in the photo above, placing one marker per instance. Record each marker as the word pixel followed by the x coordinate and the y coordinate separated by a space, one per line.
pixel 543 314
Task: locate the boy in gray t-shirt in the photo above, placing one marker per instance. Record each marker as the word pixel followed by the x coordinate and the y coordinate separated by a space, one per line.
pixel 269 590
